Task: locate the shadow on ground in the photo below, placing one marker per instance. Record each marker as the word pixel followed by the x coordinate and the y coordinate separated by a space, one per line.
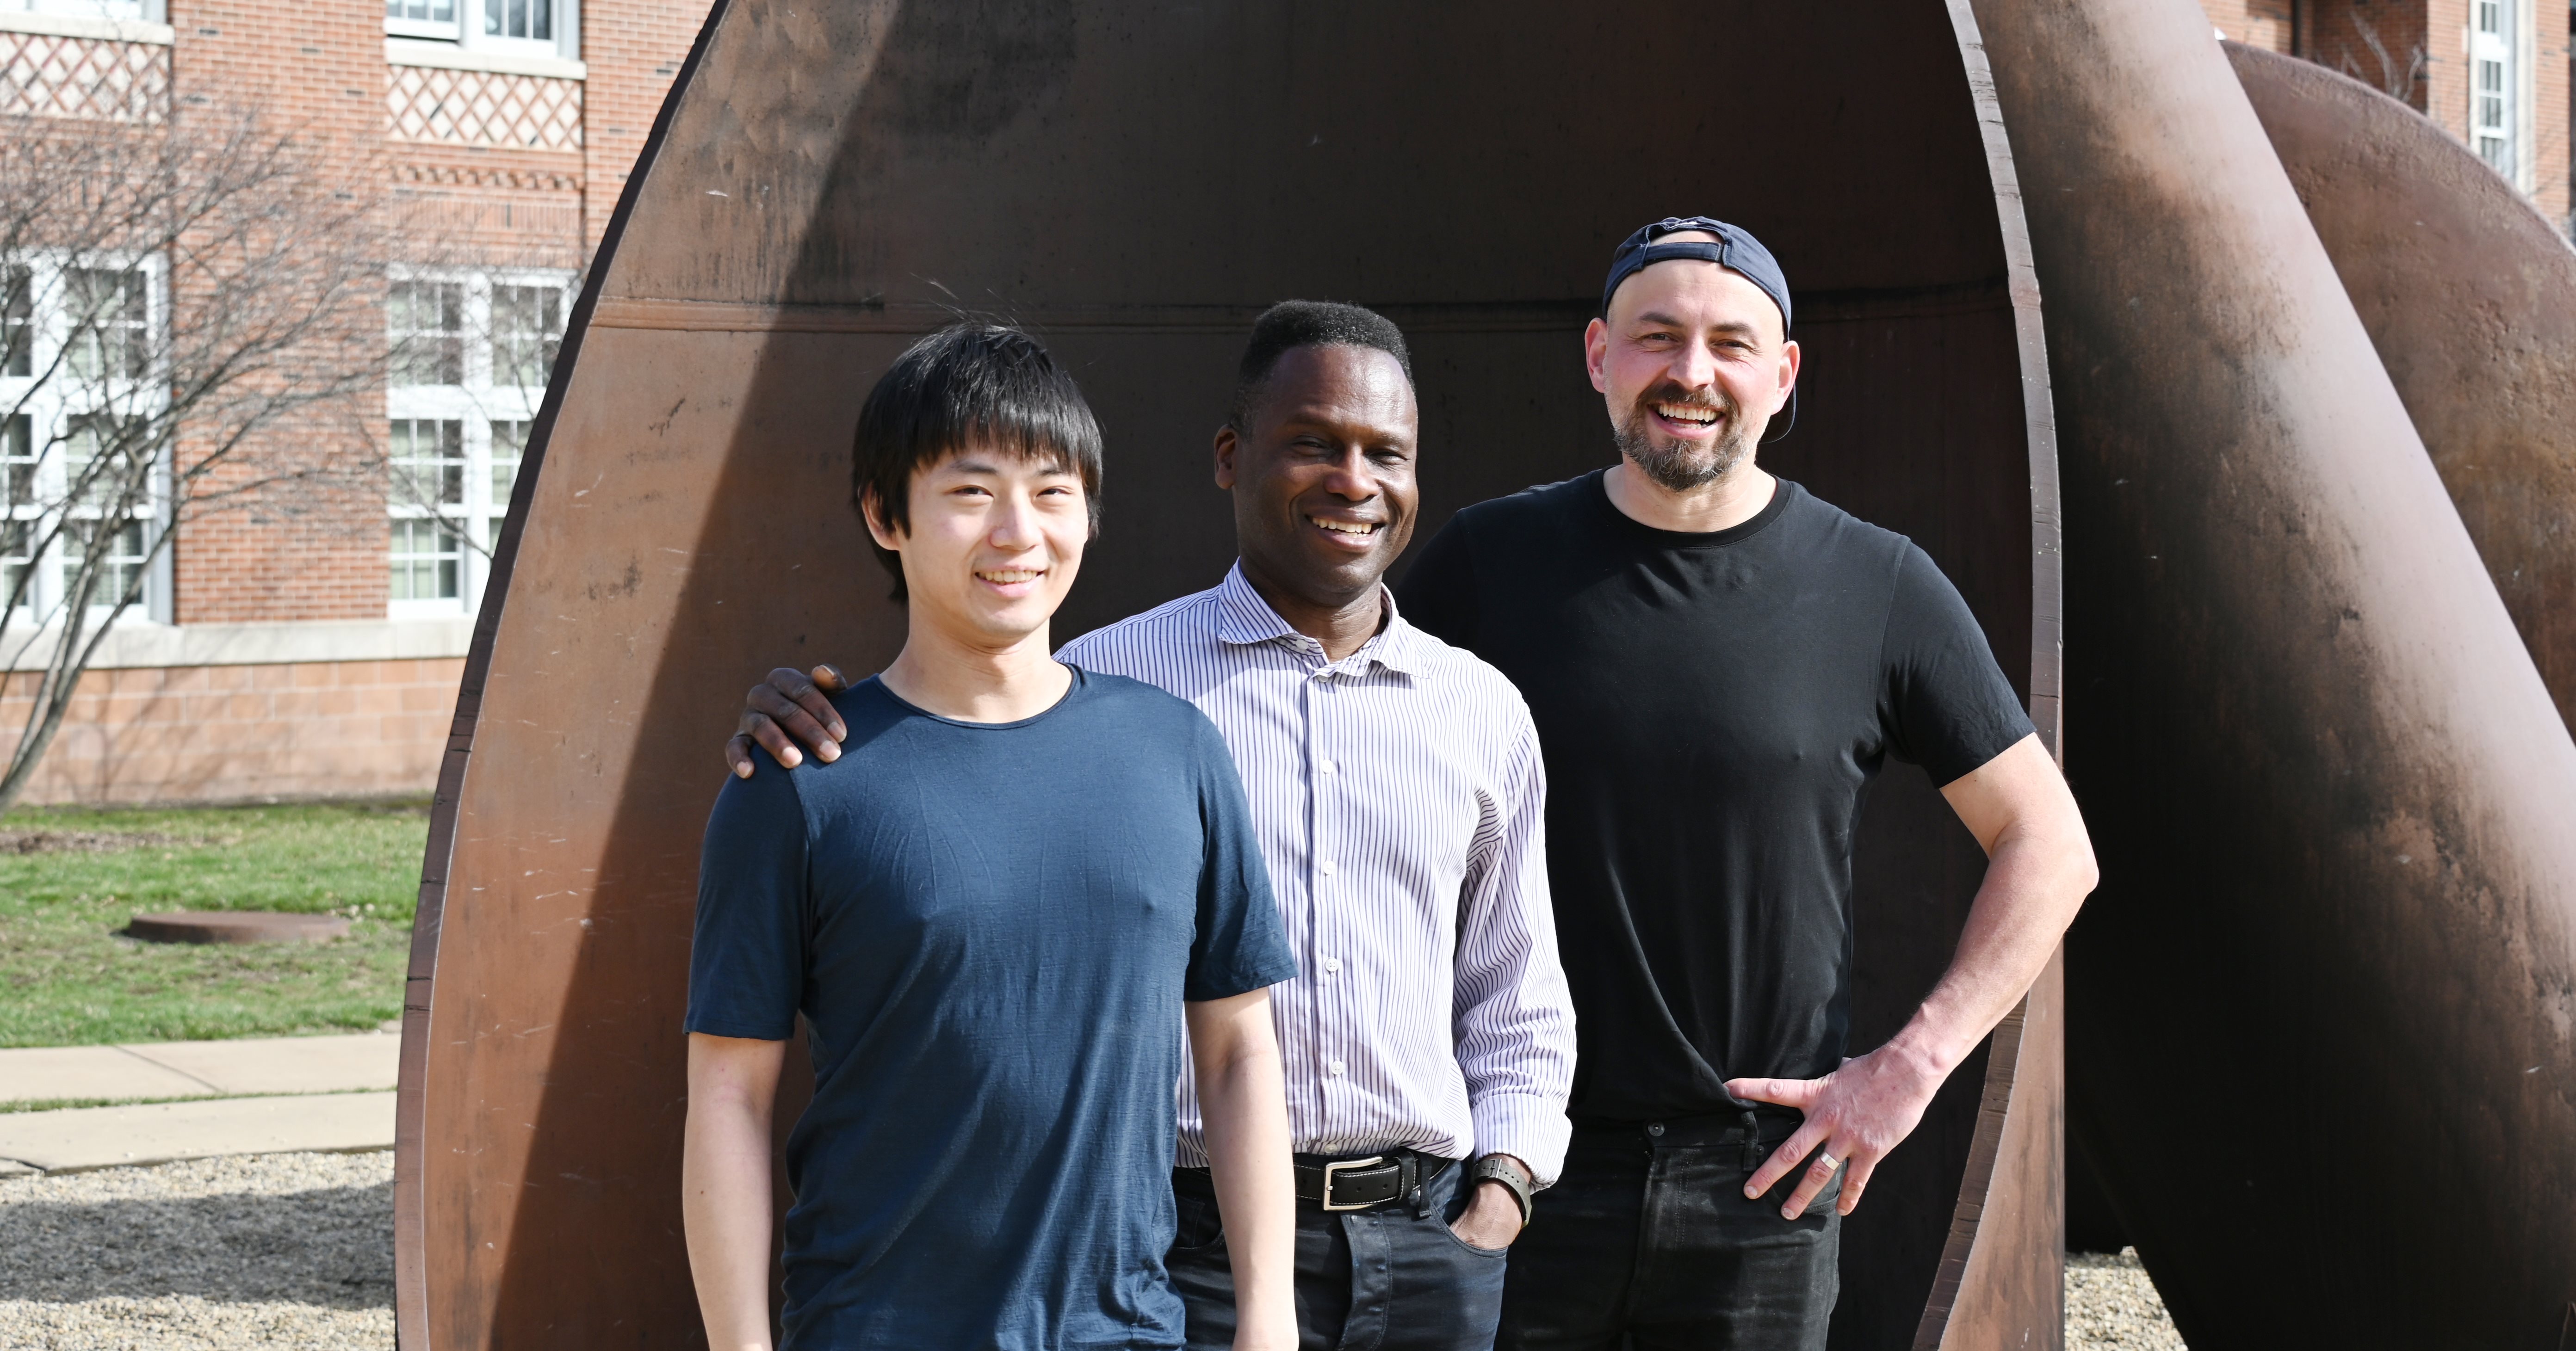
pixel 122 1233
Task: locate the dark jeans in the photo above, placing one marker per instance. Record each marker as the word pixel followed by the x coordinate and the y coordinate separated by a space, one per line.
pixel 1647 1241
pixel 1367 1280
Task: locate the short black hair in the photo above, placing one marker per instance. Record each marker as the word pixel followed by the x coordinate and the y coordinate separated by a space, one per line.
pixel 968 384
pixel 1291 324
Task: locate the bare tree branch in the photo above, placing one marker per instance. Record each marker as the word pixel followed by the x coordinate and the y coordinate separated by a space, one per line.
pixel 192 322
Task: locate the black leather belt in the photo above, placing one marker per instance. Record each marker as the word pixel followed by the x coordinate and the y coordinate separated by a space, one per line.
pixel 1366 1181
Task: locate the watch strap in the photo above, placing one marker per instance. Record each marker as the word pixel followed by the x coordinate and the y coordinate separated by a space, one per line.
pixel 1515 1179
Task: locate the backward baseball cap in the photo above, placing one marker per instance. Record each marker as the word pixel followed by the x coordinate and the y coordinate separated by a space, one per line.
pixel 1736 250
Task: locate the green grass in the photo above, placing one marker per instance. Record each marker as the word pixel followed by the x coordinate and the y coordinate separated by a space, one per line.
pixel 68 979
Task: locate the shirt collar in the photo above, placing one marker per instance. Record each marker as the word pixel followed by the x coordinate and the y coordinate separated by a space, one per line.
pixel 1244 618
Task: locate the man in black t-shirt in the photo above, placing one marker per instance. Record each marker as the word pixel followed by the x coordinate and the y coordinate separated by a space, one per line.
pixel 1718 663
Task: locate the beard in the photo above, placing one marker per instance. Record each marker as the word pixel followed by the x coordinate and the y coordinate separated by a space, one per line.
pixel 1677 466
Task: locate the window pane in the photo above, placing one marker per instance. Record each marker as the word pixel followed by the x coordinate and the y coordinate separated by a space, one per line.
pixel 541 24
pixel 428 462
pixel 118 564
pixel 109 313
pixel 426 322
pixel 509 442
pixel 102 467
pixel 15 537
pixel 17 463
pixel 527 331
pixel 425 559
pixel 17 320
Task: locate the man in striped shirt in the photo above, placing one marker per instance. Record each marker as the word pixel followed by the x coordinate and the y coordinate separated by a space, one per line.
pixel 1398 792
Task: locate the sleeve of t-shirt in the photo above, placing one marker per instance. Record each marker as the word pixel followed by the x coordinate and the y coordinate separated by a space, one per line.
pixel 1947 704
pixel 1439 591
pixel 747 958
pixel 1239 946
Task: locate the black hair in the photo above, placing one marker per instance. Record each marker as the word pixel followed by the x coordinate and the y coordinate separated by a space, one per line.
pixel 967 385
pixel 1291 324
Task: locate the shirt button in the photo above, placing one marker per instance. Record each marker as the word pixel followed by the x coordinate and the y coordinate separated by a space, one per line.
pixel 1328 868
pixel 1332 964
pixel 1328 766
pixel 1654 1128
pixel 1335 1067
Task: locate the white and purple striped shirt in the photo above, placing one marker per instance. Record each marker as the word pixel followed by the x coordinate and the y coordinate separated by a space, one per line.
pixel 1398 796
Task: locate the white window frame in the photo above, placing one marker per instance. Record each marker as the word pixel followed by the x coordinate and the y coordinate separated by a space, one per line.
pixel 52 406
pixel 2499 124
pixel 109 11
pixel 485 408
pixel 469 27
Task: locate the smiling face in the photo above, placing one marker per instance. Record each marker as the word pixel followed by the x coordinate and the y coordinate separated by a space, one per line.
pixel 1322 473
pixel 993 545
pixel 1692 362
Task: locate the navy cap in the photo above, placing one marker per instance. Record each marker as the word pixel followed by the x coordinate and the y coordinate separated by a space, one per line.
pixel 1735 250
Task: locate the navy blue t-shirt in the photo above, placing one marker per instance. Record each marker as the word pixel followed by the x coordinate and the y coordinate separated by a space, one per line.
pixel 990 929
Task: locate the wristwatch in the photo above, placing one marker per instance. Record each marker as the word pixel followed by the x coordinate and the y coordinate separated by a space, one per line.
pixel 1503 1168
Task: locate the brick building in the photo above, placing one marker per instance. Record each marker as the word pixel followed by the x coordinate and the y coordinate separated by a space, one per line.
pixel 2493 73
pixel 317 652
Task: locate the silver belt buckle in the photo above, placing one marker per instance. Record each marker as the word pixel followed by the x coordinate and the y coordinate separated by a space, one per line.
pixel 1335 1170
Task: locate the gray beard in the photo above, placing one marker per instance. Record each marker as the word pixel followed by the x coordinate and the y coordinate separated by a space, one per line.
pixel 1678 469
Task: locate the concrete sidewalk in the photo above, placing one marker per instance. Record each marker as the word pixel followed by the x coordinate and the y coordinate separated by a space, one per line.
pixel 262 1095
pixel 200 1069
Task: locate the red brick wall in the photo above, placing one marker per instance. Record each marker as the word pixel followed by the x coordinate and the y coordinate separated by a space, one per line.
pixel 305 553
pixel 2418 50
pixel 318 553
pixel 2256 23
pixel 2550 72
pixel 632 63
pixel 2384 44
pixel 229 733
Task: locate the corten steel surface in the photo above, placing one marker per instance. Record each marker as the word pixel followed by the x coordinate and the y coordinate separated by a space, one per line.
pixel 1134 183
pixel 2320 1013
pixel 2469 295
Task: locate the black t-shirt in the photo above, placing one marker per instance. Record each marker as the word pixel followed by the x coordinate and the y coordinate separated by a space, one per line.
pixel 1711 708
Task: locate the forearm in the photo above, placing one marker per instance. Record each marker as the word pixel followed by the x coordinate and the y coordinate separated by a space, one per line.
pixel 724 1177
pixel 2034 885
pixel 1242 1106
pixel 725 1195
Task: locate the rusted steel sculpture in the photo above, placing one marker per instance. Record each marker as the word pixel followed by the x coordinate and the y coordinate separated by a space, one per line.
pixel 1134 183
pixel 2322 1014
pixel 2469 296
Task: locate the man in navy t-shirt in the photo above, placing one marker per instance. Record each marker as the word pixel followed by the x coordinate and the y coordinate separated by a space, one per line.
pixel 995 911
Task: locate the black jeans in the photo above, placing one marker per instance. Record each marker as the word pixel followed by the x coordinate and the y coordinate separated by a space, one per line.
pixel 1367 1280
pixel 1647 1241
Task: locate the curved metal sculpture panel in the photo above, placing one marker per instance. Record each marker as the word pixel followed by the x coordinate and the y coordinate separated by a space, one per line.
pixel 1134 183
pixel 2322 1014
pixel 2469 295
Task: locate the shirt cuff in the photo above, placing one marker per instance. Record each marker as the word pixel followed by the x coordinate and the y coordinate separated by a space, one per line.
pixel 1531 1129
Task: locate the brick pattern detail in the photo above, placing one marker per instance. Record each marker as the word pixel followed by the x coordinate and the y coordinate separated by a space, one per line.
pixel 231 733
pixel 473 107
pixel 476 176
pixel 46 76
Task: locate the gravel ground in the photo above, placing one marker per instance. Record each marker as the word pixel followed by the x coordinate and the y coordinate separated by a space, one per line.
pixel 295 1251
pixel 2112 1306
pixel 290 1251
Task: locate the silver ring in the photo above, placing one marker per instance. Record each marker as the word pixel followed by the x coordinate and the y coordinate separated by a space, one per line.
pixel 1828 1160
